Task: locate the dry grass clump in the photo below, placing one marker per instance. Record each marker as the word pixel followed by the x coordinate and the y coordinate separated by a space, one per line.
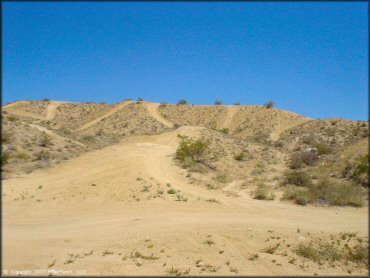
pixel 262 193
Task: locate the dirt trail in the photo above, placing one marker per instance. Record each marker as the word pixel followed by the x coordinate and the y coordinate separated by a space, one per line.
pixel 51 109
pixel 97 202
pixel 106 115
pixel 55 135
pixel 231 112
pixel 153 110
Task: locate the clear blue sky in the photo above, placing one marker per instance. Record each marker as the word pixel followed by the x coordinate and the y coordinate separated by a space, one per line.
pixel 310 58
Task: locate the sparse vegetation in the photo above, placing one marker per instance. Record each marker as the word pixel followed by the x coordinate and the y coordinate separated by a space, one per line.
pixel 218 102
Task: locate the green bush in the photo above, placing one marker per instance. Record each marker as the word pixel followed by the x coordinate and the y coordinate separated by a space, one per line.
pixel 298 178
pixel 322 149
pixel 225 130
pixel 191 151
pixel 223 178
pixel 171 191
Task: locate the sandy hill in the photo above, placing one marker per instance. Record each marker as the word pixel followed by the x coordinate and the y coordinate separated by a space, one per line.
pixel 95 189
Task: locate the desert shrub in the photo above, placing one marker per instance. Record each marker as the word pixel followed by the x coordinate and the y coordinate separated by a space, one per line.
pixel 298 178
pixel 308 139
pixel 337 193
pixel 12 118
pixel 46 99
pixel 225 130
pixel 42 155
pixel 322 149
pixel 278 144
pixel 299 158
pixel 22 155
pixel 358 171
pixel 182 102
pixel 301 196
pixel 45 140
pixel 218 102
pixel 139 99
pixel 262 193
pixel 88 138
pixel 326 191
pixel 269 104
pixel 171 191
pixel 237 103
pixel 194 150
pixel 6 137
pixel 223 178
pixel 359 254
pixel 65 131
pixel 239 156
pixel 5 156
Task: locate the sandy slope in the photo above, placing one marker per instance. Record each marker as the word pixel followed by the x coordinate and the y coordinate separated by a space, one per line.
pixel 51 109
pixel 97 203
pixel 116 108
pixel 153 110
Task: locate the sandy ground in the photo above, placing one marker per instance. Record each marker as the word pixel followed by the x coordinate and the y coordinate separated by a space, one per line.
pixel 102 214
